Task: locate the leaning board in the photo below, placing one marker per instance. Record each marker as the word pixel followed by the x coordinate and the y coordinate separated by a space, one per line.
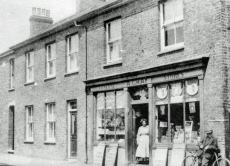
pixel 160 157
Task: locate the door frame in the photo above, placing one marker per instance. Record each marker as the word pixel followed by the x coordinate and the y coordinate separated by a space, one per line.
pixel 133 124
pixel 69 111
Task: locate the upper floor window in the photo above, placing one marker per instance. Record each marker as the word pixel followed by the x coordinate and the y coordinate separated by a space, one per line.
pixel 113 36
pixel 50 122
pixel 72 53
pixel 172 33
pixel 51 60
pixel 29 123
pixel 30 66
pixel 11 73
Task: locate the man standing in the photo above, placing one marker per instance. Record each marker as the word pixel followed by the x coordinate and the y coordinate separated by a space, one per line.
pixel 207 148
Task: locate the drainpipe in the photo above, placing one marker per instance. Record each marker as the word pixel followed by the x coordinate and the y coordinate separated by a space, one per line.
pixel 86 70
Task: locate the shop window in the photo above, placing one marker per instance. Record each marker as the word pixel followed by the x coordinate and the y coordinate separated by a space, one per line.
pixel 178 113
pixel 110 117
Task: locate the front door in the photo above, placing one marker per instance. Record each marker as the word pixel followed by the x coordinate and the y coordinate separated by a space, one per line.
pixel 140 111
pixel 11 129
pixel 73 134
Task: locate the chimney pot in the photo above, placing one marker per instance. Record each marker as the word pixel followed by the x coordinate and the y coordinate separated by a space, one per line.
pixel 39 20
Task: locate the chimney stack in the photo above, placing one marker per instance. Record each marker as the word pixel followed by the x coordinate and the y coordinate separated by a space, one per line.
pixel 83 5
pixel 39 20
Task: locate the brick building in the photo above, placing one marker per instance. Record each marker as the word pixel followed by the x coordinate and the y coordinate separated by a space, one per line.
pixel 166 61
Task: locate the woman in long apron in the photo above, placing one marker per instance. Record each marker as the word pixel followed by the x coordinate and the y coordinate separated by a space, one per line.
pixel 142 153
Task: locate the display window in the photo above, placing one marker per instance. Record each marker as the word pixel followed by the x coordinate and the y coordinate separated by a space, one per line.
pixel 110 115
pixel 178 112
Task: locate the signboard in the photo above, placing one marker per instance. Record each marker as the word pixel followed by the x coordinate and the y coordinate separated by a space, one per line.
pixel 99 152
pixel 111 155
pixel 160 157
pixel 178 154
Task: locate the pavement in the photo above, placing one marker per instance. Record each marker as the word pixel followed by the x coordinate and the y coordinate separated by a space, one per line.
pixel 16 160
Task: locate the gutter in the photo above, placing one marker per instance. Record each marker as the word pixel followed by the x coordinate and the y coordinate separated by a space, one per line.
pixel 6 53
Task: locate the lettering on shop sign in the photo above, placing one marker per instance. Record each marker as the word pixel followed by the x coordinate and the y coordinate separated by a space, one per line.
pixel 174 76
pixel 137 82
pixel 99 155
pixel 111 155
pixel 106 87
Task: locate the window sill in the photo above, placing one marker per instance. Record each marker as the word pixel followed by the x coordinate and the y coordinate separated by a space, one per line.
pixel 71 73
pixel 29 83
pixel 28 141
pixel 117 63
pixel 50 142
pixel 10 151
pixel 11 90
pixel 49 78
pixel 171 49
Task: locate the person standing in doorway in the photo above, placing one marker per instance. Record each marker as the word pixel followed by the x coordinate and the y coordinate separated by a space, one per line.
pixel 142 153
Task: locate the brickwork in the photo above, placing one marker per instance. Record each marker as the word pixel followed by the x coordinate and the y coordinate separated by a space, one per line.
pixel 57 90
pixel 206 33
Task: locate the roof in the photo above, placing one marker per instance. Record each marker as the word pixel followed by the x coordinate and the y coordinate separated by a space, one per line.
pixel 79 17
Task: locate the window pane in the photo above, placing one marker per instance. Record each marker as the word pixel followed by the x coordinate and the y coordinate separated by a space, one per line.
pixel 168 10
pixel 70 45
pixel 28 59
pixel 53 51
pixel 120 99
pixel 177 123
pixel 51 130
pixel 73 61
pixel 30 130
pixel 120 125
pixel 115 48
pixel 110 100
pixel 100 125
pixel 51 68
pixel 192 125
pixel 179 32
pixel 169 35
pixel 74 43
pixel 110 124
pixel 162 124
pixel 73 104
pixel 100 101
pixel 30 73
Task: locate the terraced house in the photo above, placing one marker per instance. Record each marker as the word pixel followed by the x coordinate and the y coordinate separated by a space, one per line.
pixel 91 78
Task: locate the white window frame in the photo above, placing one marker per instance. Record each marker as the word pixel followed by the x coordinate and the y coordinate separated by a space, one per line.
pixel 113 40
pixel 72 53
pixel 12 73
pixel 163 24
pixel 29 124
pixel 50 122
pixel 30 67
pixel 51 49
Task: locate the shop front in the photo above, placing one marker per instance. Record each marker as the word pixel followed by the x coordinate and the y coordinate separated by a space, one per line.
pixel 169 97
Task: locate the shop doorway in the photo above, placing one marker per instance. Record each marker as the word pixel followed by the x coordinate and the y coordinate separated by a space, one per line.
pixel 11 130
pixel 139 112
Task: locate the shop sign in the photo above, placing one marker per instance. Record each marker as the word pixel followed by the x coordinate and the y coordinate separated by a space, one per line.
pixel 137 82
pixel 160 158
pixel 108 87
pixel 192 87
pixel 162 91
pixel 99 153
pixel 111 155
pixel 174 76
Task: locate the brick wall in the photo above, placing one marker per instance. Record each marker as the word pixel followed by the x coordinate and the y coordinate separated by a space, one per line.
pixel 57 90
